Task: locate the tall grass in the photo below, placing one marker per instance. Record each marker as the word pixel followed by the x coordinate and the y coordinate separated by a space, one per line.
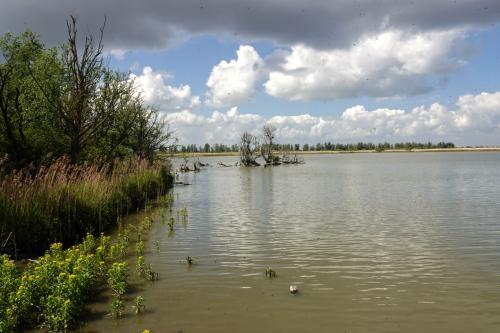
pixel 62 202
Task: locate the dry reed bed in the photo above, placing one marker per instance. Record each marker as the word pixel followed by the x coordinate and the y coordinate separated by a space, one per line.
pixel 62 202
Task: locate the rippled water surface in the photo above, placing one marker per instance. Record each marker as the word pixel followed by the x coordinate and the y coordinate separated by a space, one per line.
pixel 405 242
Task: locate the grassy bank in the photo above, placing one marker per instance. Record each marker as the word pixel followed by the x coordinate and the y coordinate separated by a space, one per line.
pixel 63 202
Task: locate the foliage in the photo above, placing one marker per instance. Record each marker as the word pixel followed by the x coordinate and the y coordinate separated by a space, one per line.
pixel 146 270
pixel 320 146
pixel 117 307
pixel 139 304
pixel 117 278
pixel 52 290
pixel 171 223
pixel 66 101
pixel 139 248
pixel 9 282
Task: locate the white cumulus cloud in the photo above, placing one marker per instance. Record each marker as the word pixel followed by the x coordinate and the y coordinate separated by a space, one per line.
pixel 475 121
pixel 232 82
pixel 155 91
pixel 388 64
pixel 218 127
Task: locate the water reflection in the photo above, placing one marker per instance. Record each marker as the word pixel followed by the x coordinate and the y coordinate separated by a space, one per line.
pixel 375 243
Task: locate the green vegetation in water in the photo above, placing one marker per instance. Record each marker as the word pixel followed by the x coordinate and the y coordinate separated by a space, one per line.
pixel 146 270
pixel 52 290
pixel 184 215
pixel 139 248
pixel 123 241
pixel 117 279
pixel 171 223
pixel 189 260
pixel 139 306
pixel 157 246
pixel 117 308
pixel 117 282
pixel 270 273
pixel 145 225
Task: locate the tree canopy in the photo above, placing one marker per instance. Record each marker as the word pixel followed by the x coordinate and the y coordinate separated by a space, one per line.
pixel 66 101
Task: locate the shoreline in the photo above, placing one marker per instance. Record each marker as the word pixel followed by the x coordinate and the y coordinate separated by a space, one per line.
pixel 331 152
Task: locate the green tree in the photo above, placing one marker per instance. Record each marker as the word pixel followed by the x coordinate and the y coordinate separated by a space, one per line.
pixel 15 80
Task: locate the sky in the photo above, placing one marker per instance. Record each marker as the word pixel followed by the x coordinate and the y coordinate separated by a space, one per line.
pixel 326 70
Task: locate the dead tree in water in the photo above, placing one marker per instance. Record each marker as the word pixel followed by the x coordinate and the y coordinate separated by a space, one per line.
pixel 249 148
pixel 266 149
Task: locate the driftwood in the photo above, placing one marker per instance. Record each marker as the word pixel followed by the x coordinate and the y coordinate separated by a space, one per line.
pixel 271 164
pixel 184 167
pixel 288 159
pixel 200 164
pixel 224 165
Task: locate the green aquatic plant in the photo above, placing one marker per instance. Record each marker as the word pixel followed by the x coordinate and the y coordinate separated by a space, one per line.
pixel 51 291
pixel 105 243
pixel 270 273
pixel 117 307
pixel 58 312
pixel 9 283
pixel 184 215
pixel 139 306
pixel 121 249
pixel 150 274
pixel 139 248
pixel 189 260
pixel 117 278
pixel 113 252
pixel 145 225
pixel 140 265
pixel 171 223
pixel 88 244
pixel 146 270
pixel 124 234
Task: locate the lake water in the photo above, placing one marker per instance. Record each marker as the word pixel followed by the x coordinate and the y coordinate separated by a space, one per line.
pixel 406 242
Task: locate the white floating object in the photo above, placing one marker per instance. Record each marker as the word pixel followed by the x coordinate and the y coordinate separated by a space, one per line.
pixel 294 289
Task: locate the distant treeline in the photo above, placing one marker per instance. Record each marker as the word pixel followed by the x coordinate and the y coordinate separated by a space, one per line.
pixel 326 146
